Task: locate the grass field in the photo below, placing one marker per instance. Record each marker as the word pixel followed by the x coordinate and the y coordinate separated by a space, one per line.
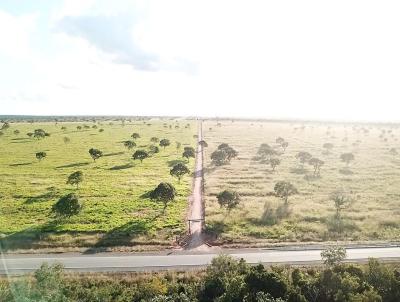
pixel 116 210
pixel 371 180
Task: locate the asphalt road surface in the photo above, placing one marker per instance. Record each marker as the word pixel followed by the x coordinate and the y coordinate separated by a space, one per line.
pixel 16 264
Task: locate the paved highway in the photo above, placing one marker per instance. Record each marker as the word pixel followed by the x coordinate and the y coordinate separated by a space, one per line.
pixel 16 264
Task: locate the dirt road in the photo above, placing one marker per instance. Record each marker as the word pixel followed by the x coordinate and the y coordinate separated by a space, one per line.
pixel 196 216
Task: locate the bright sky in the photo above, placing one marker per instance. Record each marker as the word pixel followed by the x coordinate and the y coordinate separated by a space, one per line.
pixel 273 59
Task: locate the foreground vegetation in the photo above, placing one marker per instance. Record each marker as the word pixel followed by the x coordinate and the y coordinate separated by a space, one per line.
pixel 78 184
pixel 297 182
pixel 225 280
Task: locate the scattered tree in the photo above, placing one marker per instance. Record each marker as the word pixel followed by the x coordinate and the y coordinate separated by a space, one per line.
pixel 41 155
pixel 219 157
pixel 140 155
pixel 284 189
pixel 67 205
pixel 135 136
pixel 274 162
pixel 40 133
pixel 228 199
pixel 95 153
pixel 154 140
pixel 164 142
pixel 178 145
pixel 341 201
pixel 154 149
pixel 347 158
pixel 129 144
pixel 66 140
pixel 75 179
pixel 317 164
pixel 279 140
pixel 164 192
pixel 284 145
pixel 303 157
pixel 328 147
pixel 179 170
pixel 16 132
pixel 188 152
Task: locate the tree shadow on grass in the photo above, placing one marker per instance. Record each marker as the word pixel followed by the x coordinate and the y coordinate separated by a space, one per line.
pixel 21 164
pixel 73 165
pixel 113 154
pixel 51 193
pixel 312 177
pixel 29 238
pixel 299 170
pixel 121 167
pixel 174 162
pixel 346 171
pixel 124 235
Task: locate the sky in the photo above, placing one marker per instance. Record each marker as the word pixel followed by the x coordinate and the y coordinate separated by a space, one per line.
pixel 324 60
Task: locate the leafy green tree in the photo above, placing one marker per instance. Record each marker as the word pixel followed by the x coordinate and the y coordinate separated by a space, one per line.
pixel 63 128
pixel 135 136
pixel 101 130
pixel 66 140
pixel 67 205
pixel 164 142
pixel 274 162
pixel 333 256
pixel 347 158
pixel 154 149
pixel 40 155
pixel 284 189
pixel 219 157
pixel 129 144
pixel 188 152
pixel 303 157
pixel 95 153
pixel 75 179
pixel 140 155
pixel 39 134
pixel 30 134
pixel 49 285
pixel 179 170
pixel 16 132
pixel 164 192
pixel 266 150
pixel 79 127
pixel 317 164
pixel 259 280
pixel 228 199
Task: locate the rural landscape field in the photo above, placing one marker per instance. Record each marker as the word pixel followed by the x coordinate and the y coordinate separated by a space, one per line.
pixel 117 210
pixel 118 213
pixel 369 182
